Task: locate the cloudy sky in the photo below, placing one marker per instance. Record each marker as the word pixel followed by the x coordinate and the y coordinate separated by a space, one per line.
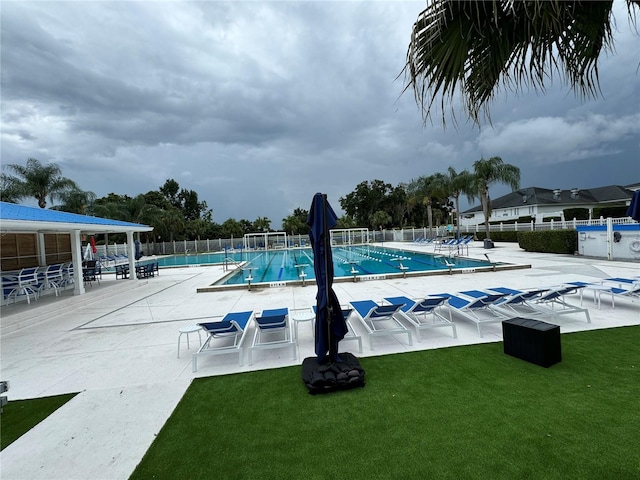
pixel 258 105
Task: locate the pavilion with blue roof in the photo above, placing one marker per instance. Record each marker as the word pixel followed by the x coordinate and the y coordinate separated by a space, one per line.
pixel 21 219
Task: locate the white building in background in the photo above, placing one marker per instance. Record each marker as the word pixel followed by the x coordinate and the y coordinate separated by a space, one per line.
pixel 540 203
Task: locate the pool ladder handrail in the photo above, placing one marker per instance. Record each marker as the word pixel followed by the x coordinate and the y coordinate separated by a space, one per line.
pixel 228 261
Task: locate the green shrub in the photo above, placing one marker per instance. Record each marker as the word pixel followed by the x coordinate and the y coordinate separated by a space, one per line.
pixel 499 236
pixel 549 241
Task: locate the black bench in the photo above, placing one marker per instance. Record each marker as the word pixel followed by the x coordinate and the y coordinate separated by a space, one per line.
pixel 532 340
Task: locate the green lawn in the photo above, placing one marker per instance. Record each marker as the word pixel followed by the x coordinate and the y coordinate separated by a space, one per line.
pixel 20 416
pixel 463 412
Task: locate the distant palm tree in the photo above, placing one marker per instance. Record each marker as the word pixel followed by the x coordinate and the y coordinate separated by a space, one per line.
pixel 426 190
pixel 380 218
pixel 77 201
pixel 482 46
pixel 172 221
pixel 137 210
pixel 455 184
pixel 262 224
pixel 8 192
pixel 485 174
pixel 38 181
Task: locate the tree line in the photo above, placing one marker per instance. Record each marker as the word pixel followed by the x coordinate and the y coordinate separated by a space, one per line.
pixel 178 214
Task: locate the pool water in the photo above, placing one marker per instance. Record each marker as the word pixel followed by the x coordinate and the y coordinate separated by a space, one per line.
pixel 273 266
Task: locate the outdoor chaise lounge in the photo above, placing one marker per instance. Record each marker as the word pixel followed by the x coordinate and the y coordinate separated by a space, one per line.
pixel 542 301
pixel 548 301
pixel 351 333
pixel 273 330
pixel 478 310
pixel 622 281
pixel 632 292
pixel 380 320
pixel 425 313
pixel 545 301
pixel 517 302
pixel 225 336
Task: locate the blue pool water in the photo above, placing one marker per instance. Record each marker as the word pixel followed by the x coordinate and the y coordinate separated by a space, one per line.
pixel 287 265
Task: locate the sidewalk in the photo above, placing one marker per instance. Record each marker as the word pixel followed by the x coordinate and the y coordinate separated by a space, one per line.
pixel 117 346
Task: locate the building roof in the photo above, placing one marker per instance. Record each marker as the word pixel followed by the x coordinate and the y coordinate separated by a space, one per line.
pixel 20 218
pixel 563 198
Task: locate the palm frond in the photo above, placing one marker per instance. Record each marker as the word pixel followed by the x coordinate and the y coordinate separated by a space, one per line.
pixel 479 47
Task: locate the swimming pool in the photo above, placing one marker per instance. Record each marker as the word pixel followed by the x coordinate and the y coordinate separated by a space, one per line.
pixel 362 262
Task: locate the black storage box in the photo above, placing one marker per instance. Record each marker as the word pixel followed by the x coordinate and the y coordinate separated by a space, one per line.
pixel 532 340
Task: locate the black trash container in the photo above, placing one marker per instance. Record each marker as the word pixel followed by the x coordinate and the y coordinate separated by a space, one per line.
pixel 488 243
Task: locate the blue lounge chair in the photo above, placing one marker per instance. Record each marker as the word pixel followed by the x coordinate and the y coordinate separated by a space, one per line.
pixel 225 336
pixel 478 310
pixel 351 333
pixel 273 330
pixel 622 281
pixel 439 245
pixel 464 243
pixel 547 302
pixel 424 313
pixel 516 302
pixel 632 293
pixel 380 320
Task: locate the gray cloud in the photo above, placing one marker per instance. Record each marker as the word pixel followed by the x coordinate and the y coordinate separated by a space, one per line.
pixel 258 105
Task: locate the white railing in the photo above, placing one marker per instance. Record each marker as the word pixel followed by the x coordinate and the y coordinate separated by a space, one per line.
pixel 193 247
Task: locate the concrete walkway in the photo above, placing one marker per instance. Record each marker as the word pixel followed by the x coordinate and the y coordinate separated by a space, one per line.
pixel 117 346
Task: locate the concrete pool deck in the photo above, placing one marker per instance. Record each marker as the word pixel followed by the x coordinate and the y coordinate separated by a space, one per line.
pixel 117 346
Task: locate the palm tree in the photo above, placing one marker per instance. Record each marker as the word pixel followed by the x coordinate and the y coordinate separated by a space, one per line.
pixel 77 201
pixel 456 184
pixel 262 224
pixel 38 181
pixel 380 218
pixel 486 173
pixel 482 46
pixel 426 190
pixel 8 191
pixel 172 221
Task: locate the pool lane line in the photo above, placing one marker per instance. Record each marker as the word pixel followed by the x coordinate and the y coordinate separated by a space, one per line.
pixel 284 258
pixel 266 268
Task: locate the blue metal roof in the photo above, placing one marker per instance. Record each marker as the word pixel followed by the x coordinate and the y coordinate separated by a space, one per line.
pixel 13 211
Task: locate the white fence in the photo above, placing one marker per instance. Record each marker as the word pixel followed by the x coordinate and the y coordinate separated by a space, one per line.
pixel 397 235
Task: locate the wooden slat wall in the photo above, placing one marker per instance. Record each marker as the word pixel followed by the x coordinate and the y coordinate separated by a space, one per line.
pixel 57 248
pixel 19 250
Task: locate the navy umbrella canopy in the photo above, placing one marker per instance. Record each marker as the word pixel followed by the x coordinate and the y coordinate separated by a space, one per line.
pixel 634 207
pixel 331 326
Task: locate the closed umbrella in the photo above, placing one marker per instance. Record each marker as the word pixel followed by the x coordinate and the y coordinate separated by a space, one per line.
pixel 634 207
pixel 331 326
